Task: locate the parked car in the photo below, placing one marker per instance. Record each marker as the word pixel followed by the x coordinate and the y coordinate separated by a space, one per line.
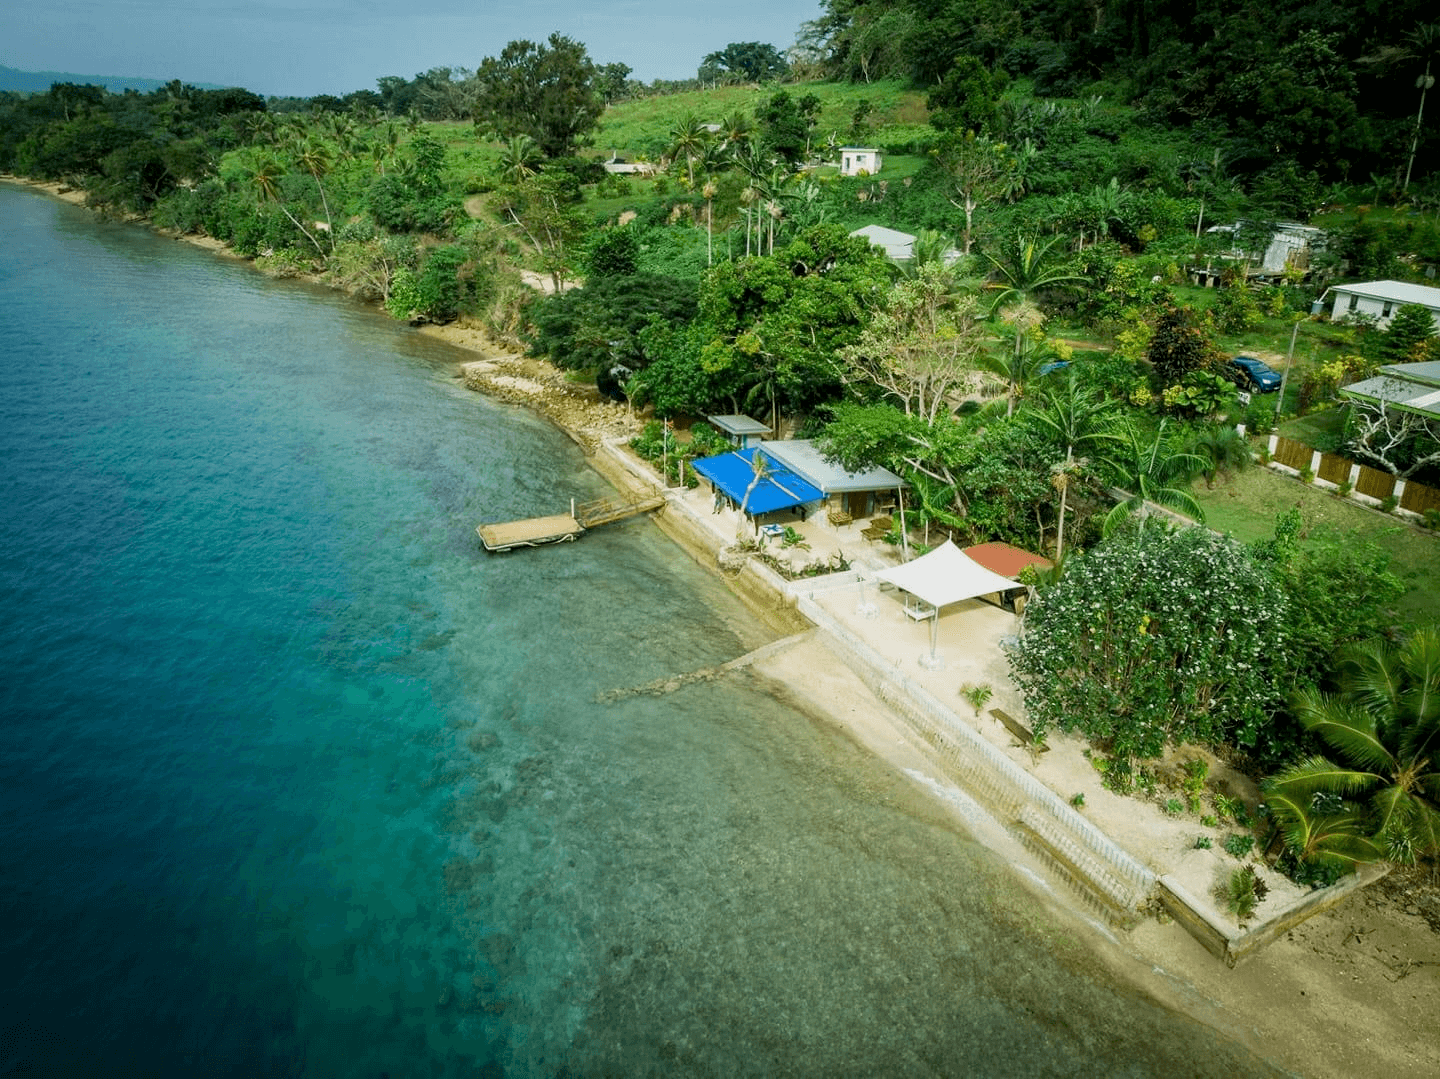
pixel 1255 375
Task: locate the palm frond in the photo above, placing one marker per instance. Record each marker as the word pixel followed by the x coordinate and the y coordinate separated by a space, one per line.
pixel 1316 775
pixel 1314 836
pixel 1370 676
pixel 1346 728
pixel 1420 659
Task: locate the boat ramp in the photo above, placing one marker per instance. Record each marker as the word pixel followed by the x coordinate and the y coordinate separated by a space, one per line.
pixel 565 527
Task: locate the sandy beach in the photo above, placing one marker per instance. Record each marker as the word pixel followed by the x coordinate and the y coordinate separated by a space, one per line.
pixel 1353 991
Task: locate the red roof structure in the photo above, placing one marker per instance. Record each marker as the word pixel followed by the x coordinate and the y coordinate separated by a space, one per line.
pixel 1006 560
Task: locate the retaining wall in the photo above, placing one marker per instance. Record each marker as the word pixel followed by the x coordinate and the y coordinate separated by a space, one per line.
pixel 1115 882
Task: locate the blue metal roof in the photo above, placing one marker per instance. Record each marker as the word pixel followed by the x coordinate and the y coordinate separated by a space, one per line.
pixel 733 473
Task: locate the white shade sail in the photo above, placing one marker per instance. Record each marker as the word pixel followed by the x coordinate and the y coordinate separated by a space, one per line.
pixel 945 575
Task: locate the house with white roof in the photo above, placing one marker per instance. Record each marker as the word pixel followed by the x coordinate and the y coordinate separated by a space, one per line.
pixel 898 246
pixel 1381 299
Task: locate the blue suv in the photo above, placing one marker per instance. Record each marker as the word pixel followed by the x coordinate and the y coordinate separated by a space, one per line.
pixel 1255 375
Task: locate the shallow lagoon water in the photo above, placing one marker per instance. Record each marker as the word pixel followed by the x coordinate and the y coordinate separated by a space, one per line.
pixel 297 781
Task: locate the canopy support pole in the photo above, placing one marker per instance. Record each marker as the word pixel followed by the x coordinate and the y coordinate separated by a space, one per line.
pixel 933 662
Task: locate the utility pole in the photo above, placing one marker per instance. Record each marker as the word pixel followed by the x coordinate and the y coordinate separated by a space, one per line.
pixel 1285 374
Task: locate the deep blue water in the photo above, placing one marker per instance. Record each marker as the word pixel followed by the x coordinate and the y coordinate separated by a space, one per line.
pixel 297 781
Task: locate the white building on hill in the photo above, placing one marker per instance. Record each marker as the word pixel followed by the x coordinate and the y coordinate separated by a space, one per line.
pixel 1381 299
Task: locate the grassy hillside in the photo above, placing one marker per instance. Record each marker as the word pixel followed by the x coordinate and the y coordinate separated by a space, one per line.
pixel 643 127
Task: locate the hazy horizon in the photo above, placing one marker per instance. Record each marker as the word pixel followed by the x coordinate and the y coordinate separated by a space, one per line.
pixel 306 47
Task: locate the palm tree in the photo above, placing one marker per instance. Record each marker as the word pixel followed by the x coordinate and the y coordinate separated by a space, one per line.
pixel 386 146
pixel 519 158
pixel 709 191
pixel 1025 265
pixel 1108 204
pixel 688 140
pixel 1078 419
pixel 1014 368
pixel 1154 473
pixel 760 465
pixel 934 503
pixel 930 246
pixel 735 129
pixel 312 154
pixel 1384 726
pixel 265 173
pixel 1222 448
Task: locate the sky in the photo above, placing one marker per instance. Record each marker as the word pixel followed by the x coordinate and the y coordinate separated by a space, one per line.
pixel 308 47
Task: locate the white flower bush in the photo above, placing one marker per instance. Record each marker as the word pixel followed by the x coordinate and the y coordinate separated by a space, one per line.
pixel 1154 637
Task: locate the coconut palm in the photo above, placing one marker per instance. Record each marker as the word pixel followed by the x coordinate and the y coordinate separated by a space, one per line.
pixel 709 191
pixel 1079 420
pixel 736 129
pixel 266 171
pixel 1383 728
pixel 312 153
pixel 1023 266
pixel 519 158
pixel 688 140
pixel 1154 472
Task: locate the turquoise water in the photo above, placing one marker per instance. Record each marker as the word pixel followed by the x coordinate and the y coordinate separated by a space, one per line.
pixel 297 781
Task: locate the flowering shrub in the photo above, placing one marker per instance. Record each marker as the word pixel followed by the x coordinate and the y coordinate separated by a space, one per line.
pixel 1154 637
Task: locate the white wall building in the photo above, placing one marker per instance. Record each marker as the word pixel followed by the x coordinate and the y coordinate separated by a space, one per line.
pixel 855 160
pixel 1381 299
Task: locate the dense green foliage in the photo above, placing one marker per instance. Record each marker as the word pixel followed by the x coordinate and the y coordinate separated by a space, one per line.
pixel 1152 638
pixel 1071 157
pixel 1378 795
pixel 1285 90
pixel 598 327
pixel 768 330
pixel 547 92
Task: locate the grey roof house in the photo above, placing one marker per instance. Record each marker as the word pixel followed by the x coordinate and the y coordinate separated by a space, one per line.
pixel 1381 299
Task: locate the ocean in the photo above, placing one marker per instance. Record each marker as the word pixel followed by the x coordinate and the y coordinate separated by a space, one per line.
pixel 298 781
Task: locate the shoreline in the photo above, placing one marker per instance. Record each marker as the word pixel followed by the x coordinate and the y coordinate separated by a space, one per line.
pixel 1338 996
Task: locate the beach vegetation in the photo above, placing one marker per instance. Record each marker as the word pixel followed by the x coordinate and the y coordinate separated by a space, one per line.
pixel 1155 637
pixel 1376 794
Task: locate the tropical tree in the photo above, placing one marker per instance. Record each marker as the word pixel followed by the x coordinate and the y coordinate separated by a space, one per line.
pixel 545 91
pixel 520 159
pixel 1023 266
pixel 1222 448
pixel 1014 368
pixel 1153 472
pixel 921 348
pixel 1077 419
pixel 265 173
pixel 1383 728
pixel 687 140
pixel 313 155
pixel 975 168
pixel 1154 637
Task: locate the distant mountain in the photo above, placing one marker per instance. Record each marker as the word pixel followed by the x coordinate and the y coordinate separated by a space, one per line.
pixel 39 81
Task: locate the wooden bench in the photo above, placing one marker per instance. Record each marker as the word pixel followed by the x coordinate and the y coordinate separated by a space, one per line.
pixel 1023 734
pixel 878 528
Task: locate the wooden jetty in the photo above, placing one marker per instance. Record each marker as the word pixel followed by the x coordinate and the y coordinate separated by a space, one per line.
pixel 565 527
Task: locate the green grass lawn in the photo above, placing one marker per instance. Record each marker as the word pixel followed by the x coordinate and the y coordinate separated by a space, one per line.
pixel 644 126
pixel 1318 430
pixel 1247 504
